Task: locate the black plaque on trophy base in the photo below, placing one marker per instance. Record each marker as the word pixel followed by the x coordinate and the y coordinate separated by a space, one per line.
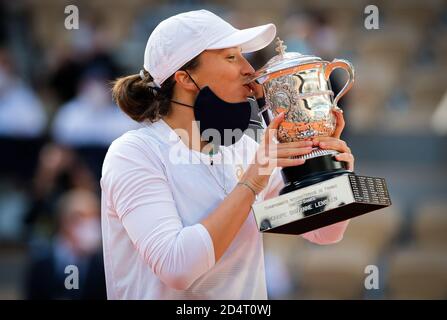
pixel 321 204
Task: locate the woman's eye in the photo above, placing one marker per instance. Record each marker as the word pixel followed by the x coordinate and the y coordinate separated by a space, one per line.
pixel 231 57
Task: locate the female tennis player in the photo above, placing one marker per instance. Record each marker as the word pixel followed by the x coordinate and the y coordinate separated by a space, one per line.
pixel 177 193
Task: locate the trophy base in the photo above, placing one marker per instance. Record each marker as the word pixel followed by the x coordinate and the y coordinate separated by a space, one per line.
pixel 321 204
pixel 314 170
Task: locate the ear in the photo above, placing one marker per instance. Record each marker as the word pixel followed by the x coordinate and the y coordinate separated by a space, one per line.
pixel 183 80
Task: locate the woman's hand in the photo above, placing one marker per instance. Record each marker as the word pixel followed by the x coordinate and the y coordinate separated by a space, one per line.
pixel 334 142
pixel 271 155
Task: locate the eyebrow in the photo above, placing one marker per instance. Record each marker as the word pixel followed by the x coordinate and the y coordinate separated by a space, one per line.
pixel 227 51
pixel 233 48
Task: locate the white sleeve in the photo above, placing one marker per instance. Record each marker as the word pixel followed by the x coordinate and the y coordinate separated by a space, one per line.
pixel 140 194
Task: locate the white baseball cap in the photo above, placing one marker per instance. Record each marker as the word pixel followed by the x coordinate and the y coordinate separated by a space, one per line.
pixel 180 38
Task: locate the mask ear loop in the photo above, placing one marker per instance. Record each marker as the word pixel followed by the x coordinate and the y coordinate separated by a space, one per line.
pixel 192 79
pixel 184 104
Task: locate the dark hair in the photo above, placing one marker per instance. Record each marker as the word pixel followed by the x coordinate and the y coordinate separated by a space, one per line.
pixel 138 98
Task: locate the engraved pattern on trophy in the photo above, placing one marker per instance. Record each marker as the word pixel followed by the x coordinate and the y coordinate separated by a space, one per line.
pixel 304 94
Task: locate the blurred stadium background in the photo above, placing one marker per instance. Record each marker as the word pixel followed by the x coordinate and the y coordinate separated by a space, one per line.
pixel 57 120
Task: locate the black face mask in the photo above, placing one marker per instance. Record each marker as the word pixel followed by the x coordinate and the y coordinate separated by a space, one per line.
pixel 225 118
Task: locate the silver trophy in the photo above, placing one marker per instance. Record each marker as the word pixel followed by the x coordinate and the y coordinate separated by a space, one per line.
pixel 299 85
pixel 321 191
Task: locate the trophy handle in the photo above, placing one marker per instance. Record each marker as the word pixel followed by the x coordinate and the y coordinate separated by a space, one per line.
pixel 340 64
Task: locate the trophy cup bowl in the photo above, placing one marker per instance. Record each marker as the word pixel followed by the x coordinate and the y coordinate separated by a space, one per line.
pixel 321 191
pixel 299 85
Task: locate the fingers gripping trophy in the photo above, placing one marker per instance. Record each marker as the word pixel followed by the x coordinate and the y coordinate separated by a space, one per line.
pixel 321 191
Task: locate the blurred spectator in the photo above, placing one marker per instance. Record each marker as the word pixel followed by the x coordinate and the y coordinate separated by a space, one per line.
pixel 311 33
pixel 22 121
pixel 77 242
pixel 297 32
pixel 88 49
pixel 21 114
pixel 58 170
pixel 323 38
pixel 91 121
